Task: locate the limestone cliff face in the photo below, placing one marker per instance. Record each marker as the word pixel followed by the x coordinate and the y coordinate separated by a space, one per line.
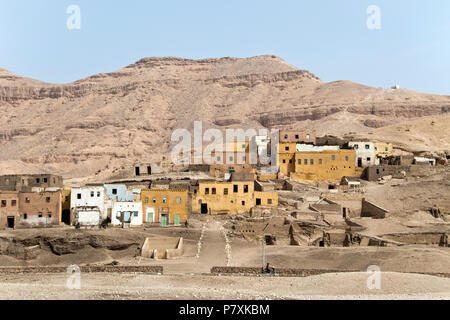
pixel 110 120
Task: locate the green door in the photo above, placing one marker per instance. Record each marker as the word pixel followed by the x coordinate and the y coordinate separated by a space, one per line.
pixel 164 220
pixel 177 219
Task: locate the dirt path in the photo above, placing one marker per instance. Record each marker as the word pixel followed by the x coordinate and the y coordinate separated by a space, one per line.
pixel 212 252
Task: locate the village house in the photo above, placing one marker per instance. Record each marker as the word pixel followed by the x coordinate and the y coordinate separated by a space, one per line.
pixel 365 153
pixel 39 209
pixel 324 164
pixel 126 213
pixel 383 150
pixel 425 161
pixel 86 216
pixel 166 207
pixel 221 197
pixel 9 209
pixel 297 137
pixel 28 182
pixel 93 196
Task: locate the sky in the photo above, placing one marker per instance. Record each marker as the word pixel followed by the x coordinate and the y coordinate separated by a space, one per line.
pixel 330 38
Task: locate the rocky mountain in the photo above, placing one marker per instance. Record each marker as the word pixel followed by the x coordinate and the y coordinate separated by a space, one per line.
pixel 113 119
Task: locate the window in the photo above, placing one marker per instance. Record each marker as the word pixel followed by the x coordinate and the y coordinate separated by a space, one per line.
pixel 78 195
pixel 308 137
pixel 13 203
pixel 243 146
pixel 3 203
pixel 40 214
pixel 300 162
pixel 356 146
pixel 311 161
pixel 206 190
pixel 92 194
pixel 37 180
pixel 225 191
pixel 47 199
pixel 219 158
pixel 98 194
pixel 386 149
pixel 178 200
pixel 49 215
pixel 286 136
pixel 27 200
pixel 290 160
pixel 213 190
pixel 235 188
pixel 231 159
pixel 305 162
pixel 269 201
pixel 244 158
pixel 114 191
pixel 243 203
pixel 297 136
pixel 118 214
pixel 286 148
pixel 346 158
pixel 320 161
pixel 67 198
pixel 367 146
pixel 245 188
pixel 25 216
pixel 136 213
pixel 333 157
pixel 164 200
pixel 154 200
pixel 368 159
pixel 146 199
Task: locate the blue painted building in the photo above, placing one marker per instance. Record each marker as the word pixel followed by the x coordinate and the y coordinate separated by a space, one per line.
pixel 119 192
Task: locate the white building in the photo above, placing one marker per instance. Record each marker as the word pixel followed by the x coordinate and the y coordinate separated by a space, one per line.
pixel 89 197
pixel 310 148
pixel 127 212
pixel 365 153
pixel 87 216
pixel 423 160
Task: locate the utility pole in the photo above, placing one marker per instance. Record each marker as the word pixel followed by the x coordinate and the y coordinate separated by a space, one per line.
pixel 263 240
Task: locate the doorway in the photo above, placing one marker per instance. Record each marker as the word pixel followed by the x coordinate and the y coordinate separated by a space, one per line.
pixel 137 171
pixel 344 213
pixel 359 162
pixel 204 208
pixel 164 220
pixel 258 201
pixel 150 215
pixel 11 221
pixel 66 216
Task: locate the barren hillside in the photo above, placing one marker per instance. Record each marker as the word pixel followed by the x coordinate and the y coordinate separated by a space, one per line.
pixel 113 119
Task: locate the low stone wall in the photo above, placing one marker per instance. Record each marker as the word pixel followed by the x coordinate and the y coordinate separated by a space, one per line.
pixel 85 269
pixel 278 271
pixel 255 271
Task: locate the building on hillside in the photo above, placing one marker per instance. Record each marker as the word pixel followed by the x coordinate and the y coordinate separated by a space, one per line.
pixel 217 197
pixel 324 165
pixel 146 169
pixel 166 207
pixel 119 192
pixel 26 182
pixel 93 196
pixel 126 213
pixel 266 198
pixel 9 209
pixel 39 209
pixel 286 157
pixel 297 137
pixel 365 153
pixel 383 150
pixel 378 172
pixel 425 161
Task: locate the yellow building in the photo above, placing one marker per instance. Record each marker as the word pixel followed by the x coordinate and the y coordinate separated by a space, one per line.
pixel 266 198
pixel 286 157
pixel 383 150
pixel 216 197
pixel 324 165
pixel 167 207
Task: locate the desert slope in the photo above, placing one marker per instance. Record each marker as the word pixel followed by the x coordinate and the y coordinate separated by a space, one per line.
pixel 112 119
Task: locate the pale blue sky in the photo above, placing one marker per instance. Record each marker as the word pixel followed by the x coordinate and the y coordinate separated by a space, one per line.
pixel 327 37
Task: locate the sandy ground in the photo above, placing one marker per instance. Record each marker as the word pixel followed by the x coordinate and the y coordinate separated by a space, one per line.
pixel 137 286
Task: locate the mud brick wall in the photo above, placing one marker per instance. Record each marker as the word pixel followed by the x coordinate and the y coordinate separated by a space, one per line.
pixel 86 269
